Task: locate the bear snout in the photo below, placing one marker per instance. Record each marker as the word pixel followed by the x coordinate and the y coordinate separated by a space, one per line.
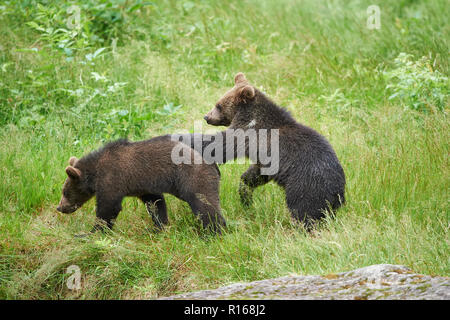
pixel 212 120
pixel 62 209
pixel 209 119
pixel 66 209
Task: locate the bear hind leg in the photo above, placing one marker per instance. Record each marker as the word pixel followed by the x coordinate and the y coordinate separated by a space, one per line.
pixel 305 210
pixel 208 210
pixel 156 208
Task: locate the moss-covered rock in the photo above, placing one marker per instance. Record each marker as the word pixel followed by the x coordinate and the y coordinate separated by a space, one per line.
pixel 383 281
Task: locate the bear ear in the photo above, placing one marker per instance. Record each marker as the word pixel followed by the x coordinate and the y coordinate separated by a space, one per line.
pixel 247 92
pixel 72 161
pixel 73 172
pixel 239 78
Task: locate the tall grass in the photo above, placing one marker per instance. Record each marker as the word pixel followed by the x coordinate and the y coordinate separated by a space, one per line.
pixel 172 61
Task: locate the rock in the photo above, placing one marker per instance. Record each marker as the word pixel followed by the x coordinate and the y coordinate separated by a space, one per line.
pixel 382 281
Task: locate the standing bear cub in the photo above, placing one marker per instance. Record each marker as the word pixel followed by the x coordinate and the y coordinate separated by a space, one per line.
pixel 145 170
pixel 308 167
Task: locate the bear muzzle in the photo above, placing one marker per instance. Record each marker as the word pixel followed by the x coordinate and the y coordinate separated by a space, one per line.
pixel 65 208
pixel 215 121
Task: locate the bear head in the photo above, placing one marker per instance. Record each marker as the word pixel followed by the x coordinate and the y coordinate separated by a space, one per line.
pixel 225 109
pixel 75 191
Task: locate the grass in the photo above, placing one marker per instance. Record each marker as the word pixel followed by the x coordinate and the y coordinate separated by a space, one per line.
pixel 317 59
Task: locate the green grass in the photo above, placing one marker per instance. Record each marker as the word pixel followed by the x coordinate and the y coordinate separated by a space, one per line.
pixel 316 58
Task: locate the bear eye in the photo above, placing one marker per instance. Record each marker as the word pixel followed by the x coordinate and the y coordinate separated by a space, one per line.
pixel 218 106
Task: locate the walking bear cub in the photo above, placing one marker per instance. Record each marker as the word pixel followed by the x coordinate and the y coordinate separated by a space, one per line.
pixel 308 167
pixel 145 170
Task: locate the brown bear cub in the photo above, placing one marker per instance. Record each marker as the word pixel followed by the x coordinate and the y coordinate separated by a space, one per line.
pixel 308 168
pixel 145 170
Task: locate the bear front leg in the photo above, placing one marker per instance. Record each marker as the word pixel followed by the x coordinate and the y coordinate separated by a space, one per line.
pixel 250 179
pixel 156 208
pixel 107 211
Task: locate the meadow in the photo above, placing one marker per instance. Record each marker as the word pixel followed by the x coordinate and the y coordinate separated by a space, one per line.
pixel 76 74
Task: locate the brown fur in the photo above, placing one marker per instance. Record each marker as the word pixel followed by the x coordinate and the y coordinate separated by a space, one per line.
pixel 225 109
pixel 145 170
pixel 309 169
